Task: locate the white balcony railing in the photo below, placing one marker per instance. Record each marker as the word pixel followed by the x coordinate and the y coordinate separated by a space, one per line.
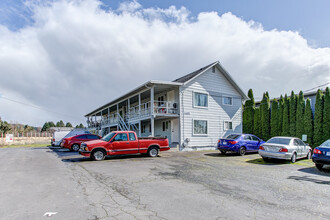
pixel 160 107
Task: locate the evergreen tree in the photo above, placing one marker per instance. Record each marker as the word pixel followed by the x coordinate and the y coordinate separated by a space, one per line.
pixel 68 124
pixel 80 126
pixel 265 116
pixel 5 127
pixel 300 115
pixel 280 114
pixel 257 123
pixel 51 124
pixel 292 114
pixel 326 115
pixel 274 119
pixel 60 124
pixel 45 127
pixel 318 119
pixel 248 114
pixel 286 122
pixel 308 122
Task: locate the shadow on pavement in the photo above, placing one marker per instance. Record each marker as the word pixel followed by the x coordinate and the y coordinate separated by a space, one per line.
pixel 107 158
pixel 313 170
pixel 270 162
pixel 309 179
pixel 222 155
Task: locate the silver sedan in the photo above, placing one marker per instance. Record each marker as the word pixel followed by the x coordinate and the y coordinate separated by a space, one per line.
pixel 287 148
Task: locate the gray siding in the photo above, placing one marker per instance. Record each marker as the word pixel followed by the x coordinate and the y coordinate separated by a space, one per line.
pixel 216 86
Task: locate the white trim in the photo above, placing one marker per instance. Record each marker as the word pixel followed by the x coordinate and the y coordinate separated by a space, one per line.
pixel 227 96
pixel 224 127
pixel 193 100
pixel 193 127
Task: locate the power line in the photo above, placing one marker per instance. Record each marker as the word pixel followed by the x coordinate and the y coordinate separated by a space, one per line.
pixel 317 87
pixel 33 106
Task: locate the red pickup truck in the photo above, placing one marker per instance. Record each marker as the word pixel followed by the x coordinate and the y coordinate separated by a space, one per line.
pixel 123 142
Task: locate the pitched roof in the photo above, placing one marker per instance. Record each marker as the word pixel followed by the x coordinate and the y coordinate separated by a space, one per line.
pixel 189 76
pixel 185 79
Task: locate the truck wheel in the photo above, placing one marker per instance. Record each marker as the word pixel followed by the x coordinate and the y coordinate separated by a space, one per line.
pixel 75 147
pixel 153 152
pixel 98 155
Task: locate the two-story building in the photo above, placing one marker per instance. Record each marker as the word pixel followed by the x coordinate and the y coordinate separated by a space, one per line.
pixel 193 111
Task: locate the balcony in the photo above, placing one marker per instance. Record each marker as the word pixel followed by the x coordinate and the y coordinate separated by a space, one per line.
pixel 160 108
pixel 138 112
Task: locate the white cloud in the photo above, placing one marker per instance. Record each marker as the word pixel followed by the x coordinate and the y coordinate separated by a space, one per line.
pixel 77 56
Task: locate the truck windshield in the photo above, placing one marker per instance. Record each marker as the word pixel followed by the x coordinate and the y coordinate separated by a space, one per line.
pixel 108 136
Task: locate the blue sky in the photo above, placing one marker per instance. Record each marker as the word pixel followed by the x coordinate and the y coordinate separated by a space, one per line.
pixel 310 18
pixel 55 51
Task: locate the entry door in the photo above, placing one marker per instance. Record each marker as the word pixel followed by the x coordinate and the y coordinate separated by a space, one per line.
pixel 175 130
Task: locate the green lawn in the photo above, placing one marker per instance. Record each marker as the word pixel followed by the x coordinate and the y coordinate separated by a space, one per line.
pixel 27 145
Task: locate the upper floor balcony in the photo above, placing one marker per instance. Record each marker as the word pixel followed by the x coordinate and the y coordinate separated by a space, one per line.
pixel 135 113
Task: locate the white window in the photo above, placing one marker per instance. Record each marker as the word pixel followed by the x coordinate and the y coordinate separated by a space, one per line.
pixel 200 127
pixel 227 100
pixel 228 125
pixel 200 99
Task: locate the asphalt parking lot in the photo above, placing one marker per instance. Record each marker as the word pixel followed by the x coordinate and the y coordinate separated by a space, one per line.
pixel 36 182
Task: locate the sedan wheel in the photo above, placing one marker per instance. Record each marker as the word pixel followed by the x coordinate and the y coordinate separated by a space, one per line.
pixel 223 152
pixel 98 155
pixel 294 158
pixel 242 151
pixel 75 147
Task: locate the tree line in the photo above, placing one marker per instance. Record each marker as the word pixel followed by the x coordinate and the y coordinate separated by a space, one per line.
pixel 48 125
pixel 289 116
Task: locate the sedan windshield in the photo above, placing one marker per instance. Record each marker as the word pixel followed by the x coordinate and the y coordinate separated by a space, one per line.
pixel 285 141
pixel 108 136
pixel 326 144
pixel 233 136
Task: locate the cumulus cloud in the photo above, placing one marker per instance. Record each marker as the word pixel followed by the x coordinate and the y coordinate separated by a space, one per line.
pixel 76 56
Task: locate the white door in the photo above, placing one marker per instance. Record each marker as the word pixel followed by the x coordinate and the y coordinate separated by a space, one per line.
pixel 175 130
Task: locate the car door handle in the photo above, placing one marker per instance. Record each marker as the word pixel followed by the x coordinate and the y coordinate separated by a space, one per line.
pixel 127 142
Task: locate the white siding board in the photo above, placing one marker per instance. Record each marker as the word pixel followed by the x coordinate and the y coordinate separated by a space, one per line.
pixel 216 85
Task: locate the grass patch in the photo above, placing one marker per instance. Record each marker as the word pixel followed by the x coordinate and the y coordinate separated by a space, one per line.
pixel 26 145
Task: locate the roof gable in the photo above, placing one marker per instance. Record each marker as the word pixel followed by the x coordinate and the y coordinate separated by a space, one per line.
pixel 189 77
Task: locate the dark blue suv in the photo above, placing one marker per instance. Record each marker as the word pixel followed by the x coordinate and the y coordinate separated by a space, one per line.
pixel 239 143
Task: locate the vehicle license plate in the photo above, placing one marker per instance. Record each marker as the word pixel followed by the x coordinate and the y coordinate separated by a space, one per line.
pixel 328 153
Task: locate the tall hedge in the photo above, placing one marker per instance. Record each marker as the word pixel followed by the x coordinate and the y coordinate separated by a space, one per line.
pixel 274 119
pixel 257 122
pixel 318 118
pixel 326 115
pixel 280 114
pixel 265 116
pixel 300 115
pixel 285 121
pixel 248 114
pixel 292 114
pixel 308 122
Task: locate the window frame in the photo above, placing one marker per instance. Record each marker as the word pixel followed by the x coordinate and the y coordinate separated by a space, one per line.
pixel 207 127
pixel 207 99
pixel 224 125
pixel 227 96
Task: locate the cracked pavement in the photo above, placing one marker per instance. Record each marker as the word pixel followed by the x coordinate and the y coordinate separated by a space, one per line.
pixel 175 185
